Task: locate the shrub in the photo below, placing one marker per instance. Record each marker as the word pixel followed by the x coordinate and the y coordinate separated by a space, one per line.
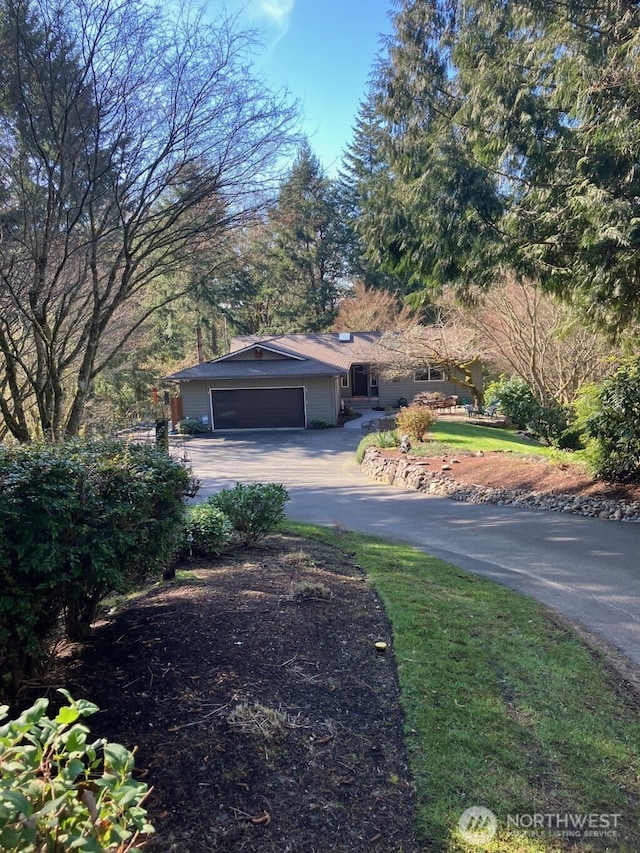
pixel 516 400
pixel 615 425
pixel 386 439
pixel 416 421
pixel 253 510
pixel 377 439
pixel 318 423
pixel 548 423
pixel 191 426
pixel 208 530
pixel 572 438
pixel 79 520
pixel 518 403
pixel 60 793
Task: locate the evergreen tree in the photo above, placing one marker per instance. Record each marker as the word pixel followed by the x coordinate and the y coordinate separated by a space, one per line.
pixel 364 168
pixel 308 245
pixel 512 137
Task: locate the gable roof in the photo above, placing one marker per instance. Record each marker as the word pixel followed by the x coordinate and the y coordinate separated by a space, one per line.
pixel 326 347
pixel 287 362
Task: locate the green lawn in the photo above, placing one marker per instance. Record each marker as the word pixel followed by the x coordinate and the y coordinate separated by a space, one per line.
pixel 505 707
pixel 469 437
pixel 460 437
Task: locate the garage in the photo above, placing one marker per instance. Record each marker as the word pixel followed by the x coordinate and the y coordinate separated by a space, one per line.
pixel 258 408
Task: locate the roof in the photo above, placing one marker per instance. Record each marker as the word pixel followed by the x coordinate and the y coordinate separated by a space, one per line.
pixel 254 370
pixel 291 363
pixel 325 347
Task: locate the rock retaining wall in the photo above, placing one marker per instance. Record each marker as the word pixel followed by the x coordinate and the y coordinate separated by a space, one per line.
pixel 413 475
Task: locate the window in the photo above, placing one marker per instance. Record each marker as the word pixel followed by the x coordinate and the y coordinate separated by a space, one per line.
pixel 429 374
pixel 373 383
pixel 345 381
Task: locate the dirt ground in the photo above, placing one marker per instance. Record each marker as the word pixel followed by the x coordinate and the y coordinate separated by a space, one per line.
pixel 263 715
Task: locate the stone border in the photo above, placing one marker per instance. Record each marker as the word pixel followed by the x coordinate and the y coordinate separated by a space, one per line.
pixel 413 475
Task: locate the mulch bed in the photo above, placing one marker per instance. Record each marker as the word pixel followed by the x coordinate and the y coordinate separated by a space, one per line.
pixel 504 470
pixel 263 715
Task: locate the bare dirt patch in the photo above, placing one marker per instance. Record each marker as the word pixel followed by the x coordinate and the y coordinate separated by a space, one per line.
pixel 264 717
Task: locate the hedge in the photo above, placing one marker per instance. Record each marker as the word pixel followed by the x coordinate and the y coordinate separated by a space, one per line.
pixel 77 521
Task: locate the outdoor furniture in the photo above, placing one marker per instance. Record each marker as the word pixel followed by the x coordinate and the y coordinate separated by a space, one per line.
pixel 484 411
pixel 435 401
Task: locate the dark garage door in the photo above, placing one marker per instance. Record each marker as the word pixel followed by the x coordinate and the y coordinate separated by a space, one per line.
pixel 258 408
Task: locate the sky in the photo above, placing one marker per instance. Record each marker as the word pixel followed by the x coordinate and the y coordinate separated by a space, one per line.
pixel 322 51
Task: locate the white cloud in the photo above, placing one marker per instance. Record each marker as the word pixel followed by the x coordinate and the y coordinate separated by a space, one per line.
pixel 278 12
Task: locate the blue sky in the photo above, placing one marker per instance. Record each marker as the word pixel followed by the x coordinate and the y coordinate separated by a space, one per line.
pixel 322 51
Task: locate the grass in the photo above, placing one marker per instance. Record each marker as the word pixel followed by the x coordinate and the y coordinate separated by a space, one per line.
pixel 459 437
pixel 470 437
pixel 505 707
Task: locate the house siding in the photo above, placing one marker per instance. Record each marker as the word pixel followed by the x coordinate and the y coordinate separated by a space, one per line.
pixel 406 386
pixel 320 395
pixel 322 401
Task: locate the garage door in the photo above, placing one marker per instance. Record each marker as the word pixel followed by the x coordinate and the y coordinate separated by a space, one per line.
pixel 258 408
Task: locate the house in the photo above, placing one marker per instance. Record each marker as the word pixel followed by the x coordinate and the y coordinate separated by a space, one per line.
pixel 288 381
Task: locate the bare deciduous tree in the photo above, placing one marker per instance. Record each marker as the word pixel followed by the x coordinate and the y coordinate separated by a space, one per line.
pixel 527 332
pixel 446 345
pixel 367 309
pixel 132 139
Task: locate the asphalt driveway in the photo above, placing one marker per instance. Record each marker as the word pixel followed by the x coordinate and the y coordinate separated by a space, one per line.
pixel 588 569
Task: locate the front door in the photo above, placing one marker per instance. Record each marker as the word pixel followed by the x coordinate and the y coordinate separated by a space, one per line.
pixel 360 380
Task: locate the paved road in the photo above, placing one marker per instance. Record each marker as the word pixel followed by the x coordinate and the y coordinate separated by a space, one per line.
pixel 588 569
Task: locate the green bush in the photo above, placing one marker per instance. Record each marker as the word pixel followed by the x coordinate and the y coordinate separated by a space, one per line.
pixel 370 440
pixel 253 510
pixel 318 423
pixel 60 793
pixel 387 439
pixel 572 438
pixel 416 421
pixel 208 531
pixel 377 439
pixel 615 425
pixel 191 426
pixel 77 521
pixel 548 423
pixel 518 402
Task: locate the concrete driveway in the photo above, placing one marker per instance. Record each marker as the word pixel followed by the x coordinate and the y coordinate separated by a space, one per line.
pixel 588 569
